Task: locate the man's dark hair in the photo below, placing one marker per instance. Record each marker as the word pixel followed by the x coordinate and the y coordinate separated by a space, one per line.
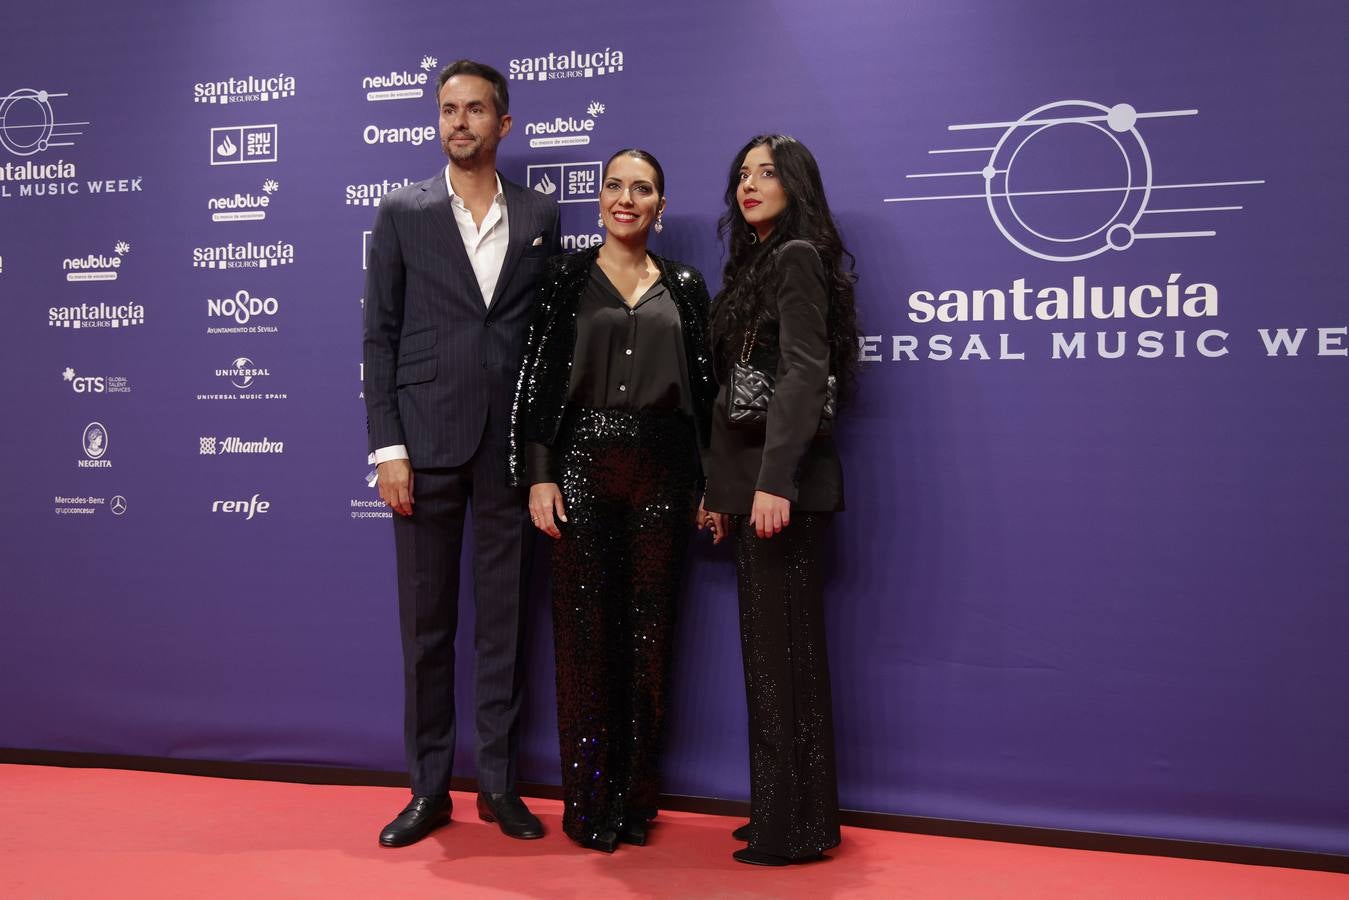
pixel 500 92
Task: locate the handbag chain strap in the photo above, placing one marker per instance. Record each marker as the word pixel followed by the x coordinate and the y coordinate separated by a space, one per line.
pixel 750 337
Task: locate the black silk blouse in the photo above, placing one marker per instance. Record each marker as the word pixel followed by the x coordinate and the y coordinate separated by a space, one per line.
pixel 626 357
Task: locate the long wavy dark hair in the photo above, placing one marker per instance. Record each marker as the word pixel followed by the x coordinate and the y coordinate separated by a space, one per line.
pixel 748 278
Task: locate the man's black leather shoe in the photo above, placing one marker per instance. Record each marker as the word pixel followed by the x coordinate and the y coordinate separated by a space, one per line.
pixel 418 819
pixel 511 815
pixel 633 833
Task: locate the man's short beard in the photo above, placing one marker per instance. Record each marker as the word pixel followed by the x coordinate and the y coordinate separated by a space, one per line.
pixel 464 154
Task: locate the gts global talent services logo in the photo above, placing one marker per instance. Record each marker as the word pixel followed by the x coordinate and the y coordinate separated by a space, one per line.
pixel 399 85
pixel 568 132
pixel 243 207
pixel 246 89
pixel 96 266
pixel 95 384
pixel 567 64
pixel 371 193
pixel 247 255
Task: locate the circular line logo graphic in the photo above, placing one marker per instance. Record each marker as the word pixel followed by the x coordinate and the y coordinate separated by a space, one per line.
pixel 20 136
pixel 118 505
pixel 95 440
pixel 1008 204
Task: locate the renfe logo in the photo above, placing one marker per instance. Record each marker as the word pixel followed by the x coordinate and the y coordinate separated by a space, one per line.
pixel 399 85
pixel 1114 202
pixel 249 508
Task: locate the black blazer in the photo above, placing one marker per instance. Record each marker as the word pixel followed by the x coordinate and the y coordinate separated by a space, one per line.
pixel 438 360
pixel 786 457
pixel 545 373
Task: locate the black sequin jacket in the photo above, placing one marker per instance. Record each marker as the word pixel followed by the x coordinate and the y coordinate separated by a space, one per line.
pixel 545 371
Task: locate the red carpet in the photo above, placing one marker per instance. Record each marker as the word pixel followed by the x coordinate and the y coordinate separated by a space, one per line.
pixel 100 833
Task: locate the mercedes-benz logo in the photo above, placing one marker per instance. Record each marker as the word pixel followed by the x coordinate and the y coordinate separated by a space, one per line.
pixel 118 505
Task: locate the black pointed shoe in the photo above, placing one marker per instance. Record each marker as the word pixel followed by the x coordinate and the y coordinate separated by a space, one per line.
pixel 511 815
pixel 634 833
pixel 418 819
pixel 744 832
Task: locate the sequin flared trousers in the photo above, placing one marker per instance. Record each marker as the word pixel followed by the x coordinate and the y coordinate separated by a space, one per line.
pixel 793 780
pixel 628 481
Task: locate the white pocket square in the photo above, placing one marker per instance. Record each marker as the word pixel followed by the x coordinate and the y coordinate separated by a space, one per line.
pixel 538 241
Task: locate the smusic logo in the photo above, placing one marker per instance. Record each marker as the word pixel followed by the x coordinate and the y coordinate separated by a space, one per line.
pixel 249 89
pixel 243 145
pixel 399 85
pixel 243 207
pixel 567 182
pixel 247 255
pixel 568 64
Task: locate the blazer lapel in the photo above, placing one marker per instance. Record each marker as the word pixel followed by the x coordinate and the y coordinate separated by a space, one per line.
pixel 520 228
pixel 435 199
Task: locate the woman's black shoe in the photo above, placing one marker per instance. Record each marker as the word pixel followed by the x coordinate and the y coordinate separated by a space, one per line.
pixel 759 858
pixel 633 833
pixel 605 842
pixel 744 832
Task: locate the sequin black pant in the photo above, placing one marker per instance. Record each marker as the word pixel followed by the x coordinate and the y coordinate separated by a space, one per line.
pixel 793 781
pixel 628 482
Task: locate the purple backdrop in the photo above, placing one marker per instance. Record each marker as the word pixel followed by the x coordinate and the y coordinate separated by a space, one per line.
pixel 1075 588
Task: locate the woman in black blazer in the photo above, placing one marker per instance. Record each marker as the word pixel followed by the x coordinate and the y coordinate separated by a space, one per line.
pixel 611 412
pixel 786 309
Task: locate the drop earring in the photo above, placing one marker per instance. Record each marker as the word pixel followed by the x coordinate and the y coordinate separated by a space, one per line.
pixel 753 236
pixel 600 223
pixel 659 226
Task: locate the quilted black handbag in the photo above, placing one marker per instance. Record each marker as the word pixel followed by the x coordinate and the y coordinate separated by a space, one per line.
pixel 751 389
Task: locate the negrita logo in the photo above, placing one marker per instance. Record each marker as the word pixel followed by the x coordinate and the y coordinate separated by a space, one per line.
pixel 243 207
pixel 243 145
pixel 567 64
pixel 248 89
pixel 96 266
pixel 399 84
pixel 95 444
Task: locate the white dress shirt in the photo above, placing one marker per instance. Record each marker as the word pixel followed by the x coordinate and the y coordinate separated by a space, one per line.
pixel 485 245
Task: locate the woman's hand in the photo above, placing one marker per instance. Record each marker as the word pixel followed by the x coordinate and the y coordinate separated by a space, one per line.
pixel 712 520
pixel 545 500
pixel 770 513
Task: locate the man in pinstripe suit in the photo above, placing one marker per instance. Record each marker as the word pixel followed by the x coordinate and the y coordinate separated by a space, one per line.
pixel 448 296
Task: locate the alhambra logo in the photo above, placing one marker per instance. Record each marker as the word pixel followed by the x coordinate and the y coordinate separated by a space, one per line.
pixel 246 89
pixel 400 84
pixel 568 132
pixel 243 207
pixel 567 64
pixel 1026 181
pixel 96 266
pixel 247 255
pixel 224 446
pixel 371 193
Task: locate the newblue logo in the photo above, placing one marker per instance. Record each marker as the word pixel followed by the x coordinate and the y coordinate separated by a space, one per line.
pixel 248 89
pixel 96 266
pixel 567 64
pixel 243 207
pixel 399 85
pixel 243 145
pixel 568 132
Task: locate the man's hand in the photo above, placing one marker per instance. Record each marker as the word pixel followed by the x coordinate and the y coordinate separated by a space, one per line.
pixel 770 513
pixel 395 485
pixel 545 501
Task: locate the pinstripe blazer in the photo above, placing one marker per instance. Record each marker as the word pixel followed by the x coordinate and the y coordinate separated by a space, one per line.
pixel 438 360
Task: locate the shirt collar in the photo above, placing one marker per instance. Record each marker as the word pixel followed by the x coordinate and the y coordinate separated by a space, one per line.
pixel 499 198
